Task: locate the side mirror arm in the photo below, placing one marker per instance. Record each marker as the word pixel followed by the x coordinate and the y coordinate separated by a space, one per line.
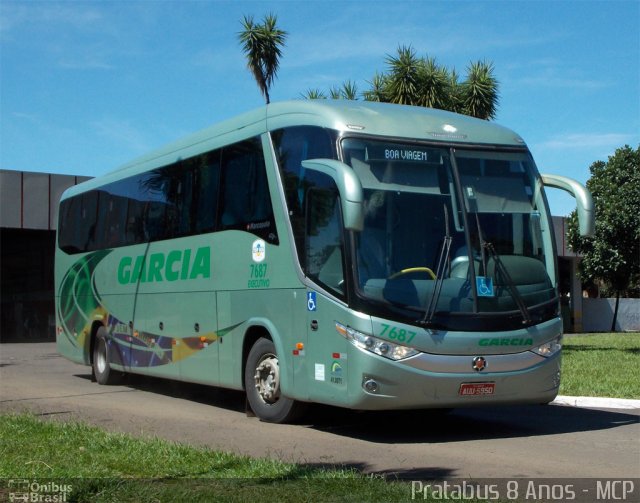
pixel 584 201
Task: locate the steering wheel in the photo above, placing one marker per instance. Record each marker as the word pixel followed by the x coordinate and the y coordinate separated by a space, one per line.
pixel 413 269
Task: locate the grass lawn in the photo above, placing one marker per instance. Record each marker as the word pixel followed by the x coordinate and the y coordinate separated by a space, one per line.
pixel 605 365
pixel 106 467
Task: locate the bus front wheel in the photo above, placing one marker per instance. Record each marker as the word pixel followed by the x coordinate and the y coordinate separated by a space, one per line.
pixel 262 384
pixel 102 370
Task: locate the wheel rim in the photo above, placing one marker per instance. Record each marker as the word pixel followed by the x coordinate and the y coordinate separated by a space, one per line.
pixel 101 357
pixel 267 379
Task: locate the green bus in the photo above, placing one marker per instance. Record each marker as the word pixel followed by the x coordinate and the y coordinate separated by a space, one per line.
pixel 363 255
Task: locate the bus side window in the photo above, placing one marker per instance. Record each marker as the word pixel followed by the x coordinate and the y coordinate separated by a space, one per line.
pixel 154 220
pixel 70 236
pixel 99 237
pixel 89 221
pixel 116 221
pixel 324 261
pixel 206 184
pixel 236 188
pixel 134 229
pixel 245 200
pixel 154 187
pixel 294 145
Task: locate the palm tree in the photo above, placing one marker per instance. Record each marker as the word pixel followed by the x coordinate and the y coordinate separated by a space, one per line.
pixel 335 93
pixel 378 89
pixel 262 45
pixel 433 85
pixel 349 90
pixel 480 91
pixel 314 94
pixel 420 81
pixel 402 82
pixel 456 93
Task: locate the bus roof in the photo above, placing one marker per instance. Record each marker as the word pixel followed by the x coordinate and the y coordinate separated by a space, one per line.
pixel 380 119
pixel 387 119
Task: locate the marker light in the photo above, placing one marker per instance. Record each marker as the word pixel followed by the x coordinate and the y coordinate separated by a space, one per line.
pixel 549 348
pixel 375 345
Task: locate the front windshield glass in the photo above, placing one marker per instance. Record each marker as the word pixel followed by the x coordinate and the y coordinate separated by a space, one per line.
pixel 425 222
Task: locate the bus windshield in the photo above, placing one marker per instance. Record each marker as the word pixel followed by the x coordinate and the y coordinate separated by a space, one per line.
pixel 432 212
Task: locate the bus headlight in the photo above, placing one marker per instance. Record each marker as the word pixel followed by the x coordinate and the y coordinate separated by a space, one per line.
pixel 549 348
pixel 375 345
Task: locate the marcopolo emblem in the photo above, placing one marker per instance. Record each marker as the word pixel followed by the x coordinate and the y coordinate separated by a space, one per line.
pixel 479 364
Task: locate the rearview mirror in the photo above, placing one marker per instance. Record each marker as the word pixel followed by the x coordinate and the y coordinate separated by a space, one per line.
pixel 349 186
pixel 584 201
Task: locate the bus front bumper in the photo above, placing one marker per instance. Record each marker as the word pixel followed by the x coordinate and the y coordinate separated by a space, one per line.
pixel 377 383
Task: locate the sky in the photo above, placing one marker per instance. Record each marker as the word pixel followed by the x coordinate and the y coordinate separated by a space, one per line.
pixel 86 86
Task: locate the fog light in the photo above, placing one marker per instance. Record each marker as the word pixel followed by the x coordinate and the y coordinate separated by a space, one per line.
pixel 370 386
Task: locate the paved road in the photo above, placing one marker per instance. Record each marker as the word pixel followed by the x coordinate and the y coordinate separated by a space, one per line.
pixel 552 441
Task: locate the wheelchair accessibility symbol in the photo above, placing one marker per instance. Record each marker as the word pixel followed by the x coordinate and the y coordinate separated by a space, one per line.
pixel 484 286
pixel 311 301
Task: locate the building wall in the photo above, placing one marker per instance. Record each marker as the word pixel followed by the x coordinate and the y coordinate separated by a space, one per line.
pixel 560 232
pixel 30 200
pixel 598 315
pixel 569 281
pixel 28 219
pixel 26 276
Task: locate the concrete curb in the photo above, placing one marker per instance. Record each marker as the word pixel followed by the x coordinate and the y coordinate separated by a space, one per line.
pixel 597 402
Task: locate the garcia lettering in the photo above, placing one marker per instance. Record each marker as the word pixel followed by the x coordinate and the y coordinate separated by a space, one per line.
pixel 175 265
pixel 516 341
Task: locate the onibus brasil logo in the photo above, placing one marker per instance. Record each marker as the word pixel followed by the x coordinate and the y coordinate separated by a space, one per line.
pixel 31 491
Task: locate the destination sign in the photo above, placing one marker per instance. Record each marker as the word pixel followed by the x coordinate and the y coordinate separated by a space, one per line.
pixel 404 153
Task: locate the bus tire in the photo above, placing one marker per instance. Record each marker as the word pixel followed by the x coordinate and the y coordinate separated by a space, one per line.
pixel 262 385
pixel 102 370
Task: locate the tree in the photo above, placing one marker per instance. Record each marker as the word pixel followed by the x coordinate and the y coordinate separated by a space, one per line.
pixel 412 80
pixel 611 259
pixel 402 82
pixel 262 45
pixel 377 92
pixel 480 91
pixel 349 90
pixel 314 94
pixel 433 85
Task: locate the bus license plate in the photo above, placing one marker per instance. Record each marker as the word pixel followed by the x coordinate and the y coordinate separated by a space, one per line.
pixel 477 388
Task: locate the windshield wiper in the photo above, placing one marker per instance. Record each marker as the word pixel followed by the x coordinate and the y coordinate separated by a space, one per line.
pixel 511 286
pixel 443 260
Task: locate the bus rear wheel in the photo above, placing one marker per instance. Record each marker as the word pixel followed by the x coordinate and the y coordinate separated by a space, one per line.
pixel 102 370
pixel 262 384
